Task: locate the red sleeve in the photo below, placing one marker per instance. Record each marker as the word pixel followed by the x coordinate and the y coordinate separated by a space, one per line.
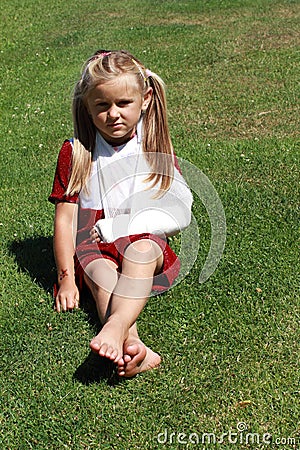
pixel 176 164
pixel 62 176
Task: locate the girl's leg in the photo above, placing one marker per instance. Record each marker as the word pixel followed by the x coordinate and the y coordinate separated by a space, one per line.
pixel 101 277
pixel 142 260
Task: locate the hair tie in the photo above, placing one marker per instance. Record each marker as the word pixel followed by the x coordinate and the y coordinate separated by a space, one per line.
pixel 149 73
pixel 100 54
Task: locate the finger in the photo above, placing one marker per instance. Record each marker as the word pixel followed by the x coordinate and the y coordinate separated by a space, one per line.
pixel 72 303
pixel 63 304
pixel 77 299
pixel 57 305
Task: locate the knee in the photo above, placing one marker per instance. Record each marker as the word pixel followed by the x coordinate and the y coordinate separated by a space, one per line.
pixel 143 251
pixel 101 274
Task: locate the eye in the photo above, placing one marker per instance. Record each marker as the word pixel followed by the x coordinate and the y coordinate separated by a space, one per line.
pixel 101 105
pixel 123 103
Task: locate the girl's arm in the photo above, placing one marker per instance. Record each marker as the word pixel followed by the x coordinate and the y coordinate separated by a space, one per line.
pixel 160 222
pixel 65 226
pixel 165 217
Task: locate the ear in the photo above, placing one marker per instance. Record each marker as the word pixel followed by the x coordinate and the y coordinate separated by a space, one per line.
pixel 147 98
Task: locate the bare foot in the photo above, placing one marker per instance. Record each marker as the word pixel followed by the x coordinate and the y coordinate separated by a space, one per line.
pixel 137 358
pixel 134 354
pixel 109 342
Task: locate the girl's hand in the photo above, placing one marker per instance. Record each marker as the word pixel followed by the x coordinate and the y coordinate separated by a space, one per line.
pixel 67 297
pixel 94 235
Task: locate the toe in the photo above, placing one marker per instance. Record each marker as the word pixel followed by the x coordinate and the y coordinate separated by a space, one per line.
pixel 127 358
pixel 114 356
pixel 104 351
pixel 121 362
pixel 94 345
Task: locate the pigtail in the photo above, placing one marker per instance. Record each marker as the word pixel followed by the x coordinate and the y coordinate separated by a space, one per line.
pixel 83 144
pixel 157 143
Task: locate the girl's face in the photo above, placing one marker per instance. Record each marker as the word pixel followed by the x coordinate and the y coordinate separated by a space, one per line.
pixel 115 108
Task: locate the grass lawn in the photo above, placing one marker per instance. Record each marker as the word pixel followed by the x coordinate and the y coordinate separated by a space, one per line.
pixel 230 346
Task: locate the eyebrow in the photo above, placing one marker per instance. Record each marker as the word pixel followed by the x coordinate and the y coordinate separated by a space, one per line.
pixel 118 100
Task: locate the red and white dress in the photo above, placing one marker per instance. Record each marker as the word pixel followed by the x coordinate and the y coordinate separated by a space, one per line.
pixel 122 210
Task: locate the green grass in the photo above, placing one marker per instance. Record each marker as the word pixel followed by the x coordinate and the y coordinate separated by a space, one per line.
pixel 232 71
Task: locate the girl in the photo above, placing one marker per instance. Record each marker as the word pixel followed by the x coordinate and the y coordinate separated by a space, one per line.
pixel 118 195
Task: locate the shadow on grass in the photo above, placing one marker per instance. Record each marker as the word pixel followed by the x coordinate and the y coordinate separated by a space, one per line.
pixel 34 256
pixel 95 369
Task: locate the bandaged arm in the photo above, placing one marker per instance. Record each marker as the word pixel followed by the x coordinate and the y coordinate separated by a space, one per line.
pixel 164 218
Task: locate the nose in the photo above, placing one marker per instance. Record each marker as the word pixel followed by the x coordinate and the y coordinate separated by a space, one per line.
pixel 113 112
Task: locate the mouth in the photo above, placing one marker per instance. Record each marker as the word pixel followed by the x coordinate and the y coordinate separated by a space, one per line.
pixel 114 125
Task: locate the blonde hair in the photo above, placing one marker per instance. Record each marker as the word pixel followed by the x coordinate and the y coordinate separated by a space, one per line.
pixel 103 66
